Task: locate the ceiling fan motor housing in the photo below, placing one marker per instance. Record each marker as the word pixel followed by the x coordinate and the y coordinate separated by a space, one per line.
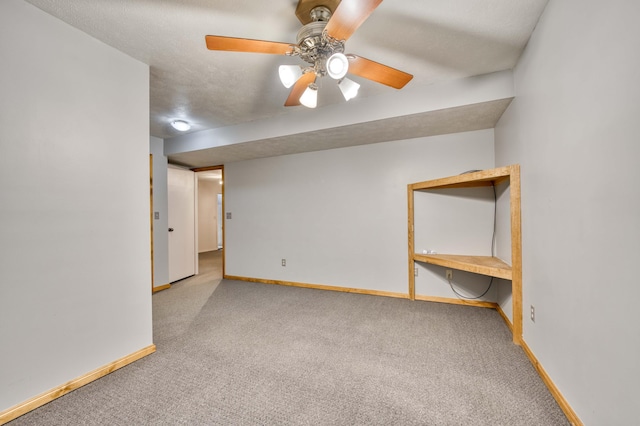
pixel 320 13
pixel 314 45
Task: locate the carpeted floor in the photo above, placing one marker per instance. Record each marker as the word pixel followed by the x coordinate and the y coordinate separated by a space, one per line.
pixel 236 353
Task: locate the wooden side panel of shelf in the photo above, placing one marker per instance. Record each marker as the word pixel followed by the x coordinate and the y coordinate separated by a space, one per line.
pixel 412 278
pixel 516 252
pixel 485 265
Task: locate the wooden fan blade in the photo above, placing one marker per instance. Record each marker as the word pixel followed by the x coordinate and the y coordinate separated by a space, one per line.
pixel 299 88
pixel 377 72
pixel 348 17
pixel 232 44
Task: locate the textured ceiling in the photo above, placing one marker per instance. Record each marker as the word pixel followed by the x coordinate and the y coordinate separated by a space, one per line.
pixel 435 40
pixel 451 120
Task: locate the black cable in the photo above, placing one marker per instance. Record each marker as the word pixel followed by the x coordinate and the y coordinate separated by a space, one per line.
pixel 493 244
pixel 467 297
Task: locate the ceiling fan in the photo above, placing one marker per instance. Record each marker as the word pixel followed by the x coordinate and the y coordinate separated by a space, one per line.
pixel 327 24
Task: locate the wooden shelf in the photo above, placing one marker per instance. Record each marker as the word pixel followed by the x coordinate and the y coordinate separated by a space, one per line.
pixel 467 180
pixel 484 265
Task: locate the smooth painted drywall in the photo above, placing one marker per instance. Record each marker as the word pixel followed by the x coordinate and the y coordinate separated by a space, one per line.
pixel 454 221
pixel 339 217
pixel 75 287
pixel 503 245
pixel 208 191
pixel 160 206
pixel 574 129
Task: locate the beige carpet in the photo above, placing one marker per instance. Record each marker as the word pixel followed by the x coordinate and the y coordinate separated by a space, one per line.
pixel 236 353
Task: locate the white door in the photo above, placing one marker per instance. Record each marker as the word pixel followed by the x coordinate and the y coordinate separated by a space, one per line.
pixel 182 229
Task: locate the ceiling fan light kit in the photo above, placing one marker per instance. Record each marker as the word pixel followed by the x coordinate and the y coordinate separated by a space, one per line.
pixel 349 88
pixel 310 96
pixel 289 74
pixel 320 43
pixel 337 66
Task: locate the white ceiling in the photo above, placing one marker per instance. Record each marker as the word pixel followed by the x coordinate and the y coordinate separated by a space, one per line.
pixel 435 40
pixel 210 175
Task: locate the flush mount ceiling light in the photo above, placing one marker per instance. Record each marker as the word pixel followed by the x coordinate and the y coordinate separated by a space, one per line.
pixel 327 24
pixel 180 125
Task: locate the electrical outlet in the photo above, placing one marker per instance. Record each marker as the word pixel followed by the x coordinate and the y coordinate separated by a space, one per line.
pixel 284 262
pixel 228 215
pixel 415 272
pixel 533 313
pixel 449 274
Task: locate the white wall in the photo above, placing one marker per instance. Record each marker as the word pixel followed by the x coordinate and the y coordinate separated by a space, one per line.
pixel 339 217
pixel 208 191
pixel 503 245
pixel 160 205
pixel 454 221
pixel 75 290
pixel 574 128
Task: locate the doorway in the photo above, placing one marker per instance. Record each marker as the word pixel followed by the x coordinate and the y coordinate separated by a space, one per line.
pixel 210 190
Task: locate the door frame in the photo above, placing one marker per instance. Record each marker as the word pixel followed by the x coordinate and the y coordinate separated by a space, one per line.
pixel 151 216
pixel 224 243
pixel 152 219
